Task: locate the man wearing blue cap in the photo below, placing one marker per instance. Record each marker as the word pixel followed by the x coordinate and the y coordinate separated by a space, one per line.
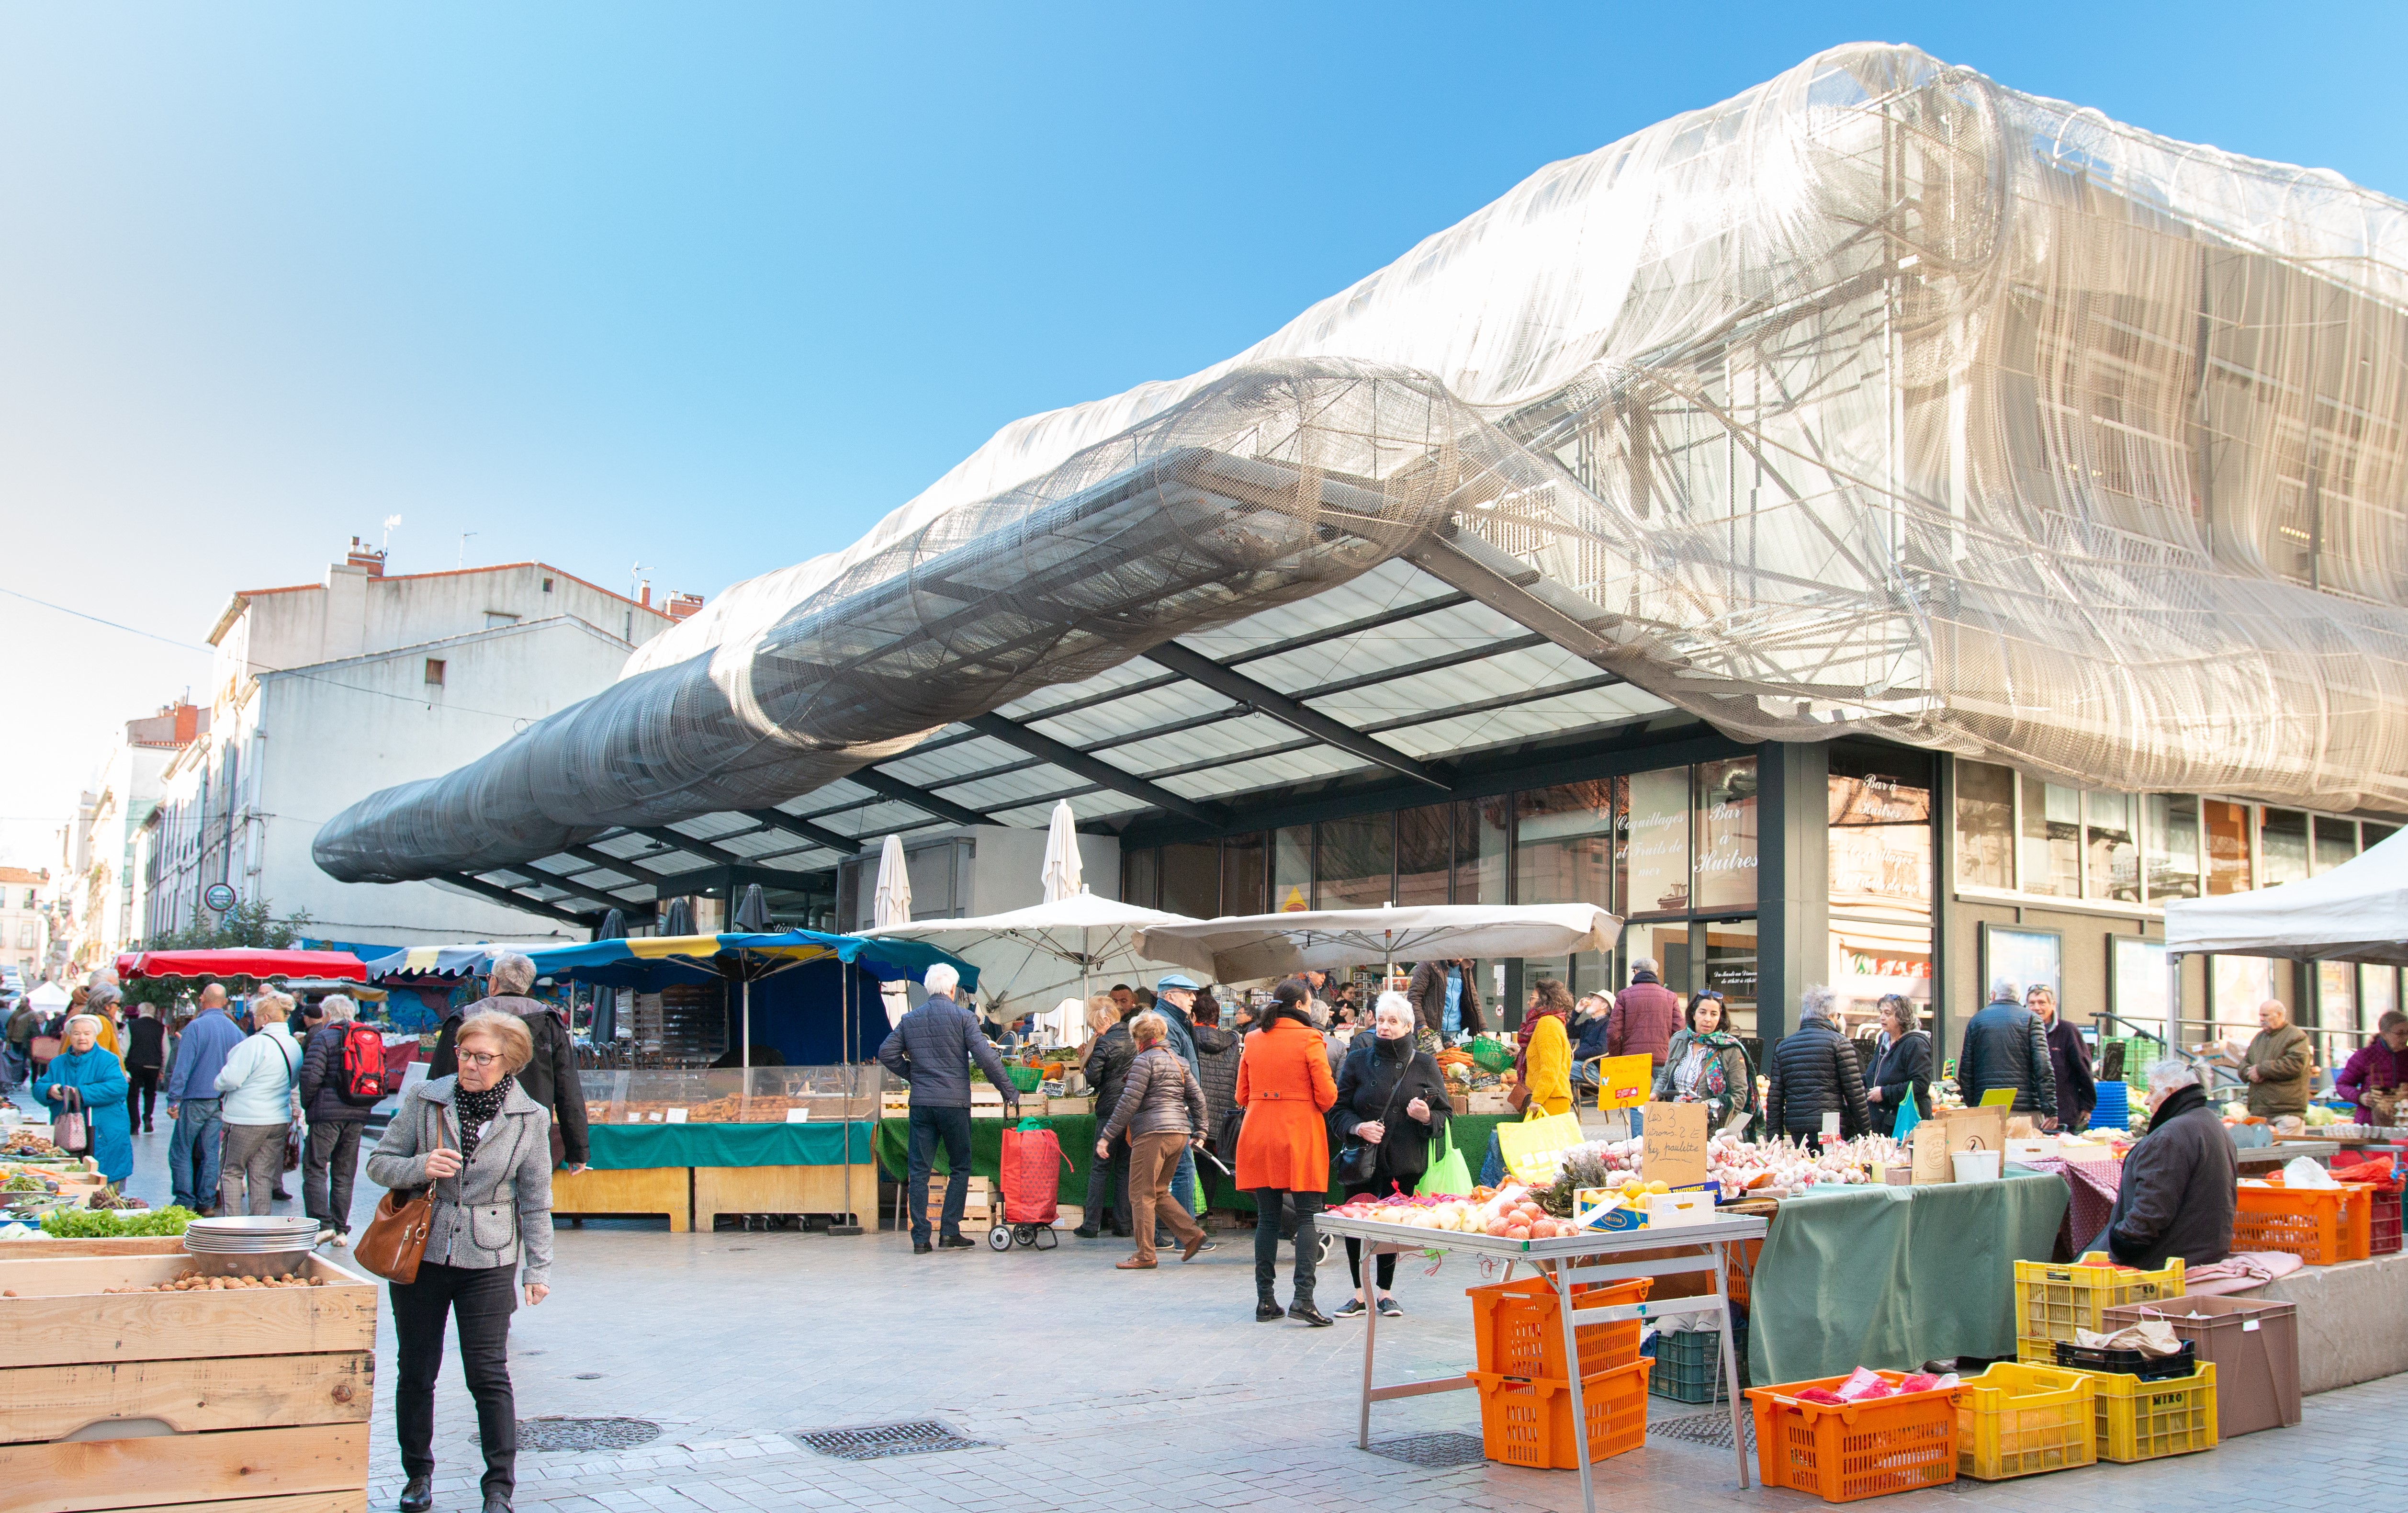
pixel 1174 999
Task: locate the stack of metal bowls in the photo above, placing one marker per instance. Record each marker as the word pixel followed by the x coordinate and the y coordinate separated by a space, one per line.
pixel 261 1234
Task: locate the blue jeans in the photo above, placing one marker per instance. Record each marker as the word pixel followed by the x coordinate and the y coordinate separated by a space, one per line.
pixel 928 1125
pixel 192 1152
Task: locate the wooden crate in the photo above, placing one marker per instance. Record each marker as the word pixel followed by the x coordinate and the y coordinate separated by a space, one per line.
pixel 780 1190
pixel 265 1394
pixel 643 1189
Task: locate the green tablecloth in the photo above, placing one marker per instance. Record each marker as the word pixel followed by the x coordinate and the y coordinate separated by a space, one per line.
pixel 620 1148
pixel 1891 1277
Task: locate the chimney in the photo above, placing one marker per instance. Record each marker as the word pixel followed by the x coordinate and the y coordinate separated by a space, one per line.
pixel 682 605
pixel 645 598
pixel 363 555
pixel 188 723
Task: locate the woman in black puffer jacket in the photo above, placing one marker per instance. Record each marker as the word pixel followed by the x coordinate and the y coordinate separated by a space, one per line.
pixel 1391 1095
pixel 1902 1066
pixel 1109 1055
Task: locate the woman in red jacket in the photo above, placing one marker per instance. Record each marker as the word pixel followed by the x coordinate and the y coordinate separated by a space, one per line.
pixel 1285 1086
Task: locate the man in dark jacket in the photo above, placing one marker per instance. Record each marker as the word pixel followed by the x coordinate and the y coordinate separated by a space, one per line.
pixel 551 1077
pixel 1107 1069
pixel 2069 1061
pixel 332 1158
pixel 1646 1015
pixel 1446 1000
pixel 2177 1194
pixel 1811 1071
pixel 2005 1046
pixel 146 1053
pixel 932 1050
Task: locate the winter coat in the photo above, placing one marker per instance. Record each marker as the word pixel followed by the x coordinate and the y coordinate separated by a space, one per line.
pixel 1390 1073
pixel 497 1210
pixel 1811 1071
pixel 1220 1080
pixel 1899 1068
pixel 1646 1016
pixel 1739 1080
pixel 100 1078
pixel 1427 992
pixel 322 1078
pixel 257 1080
pixel 2005 1046
pixel 2284 1058
pixel 1285 1086
pixel 550 1077
pixel 2374 1065
pixel 932 1049
pixel 2177 1194
pixel 1546 1065
pixel 1160 1096
pixel 1109 1055
pixel 1191 1040
pixel 1589 1035
pixel 2068 1062
pixel 146 1043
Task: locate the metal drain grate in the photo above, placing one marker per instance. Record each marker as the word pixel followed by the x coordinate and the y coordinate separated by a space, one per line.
pixel 1700 1429
pixel 1433 1451
pixel 586 1434
pixel 875 1442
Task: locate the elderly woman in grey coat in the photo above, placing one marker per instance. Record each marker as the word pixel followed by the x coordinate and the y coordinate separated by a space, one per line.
pixel 484 1148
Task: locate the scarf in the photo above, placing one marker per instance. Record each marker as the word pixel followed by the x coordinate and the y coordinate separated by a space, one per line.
pixel 1557 1011
pixel 477 1110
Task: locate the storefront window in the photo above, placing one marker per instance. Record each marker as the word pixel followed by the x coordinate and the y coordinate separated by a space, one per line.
pixel 1880 841
pixel 2236 985
pixel 2172 836
pixel 1986 826
pixel 2283 847
pixel 1659 850
pixel 1425 845
pixel 2378 994
pixel 2371 834
pixel 1245 878
pixel 1481 840
pixel 2336 842
pixel 2228 846
pixel 1869 959
pixel 2052 838
pixel 1191 879
pixel 1730 968
pixel 1725 832
pixel 1292 868
pixel 1357 862
pixel 1668 942
pixel 2137 986
pixel 1563 844
pixel 2337 994
pixel 2110 848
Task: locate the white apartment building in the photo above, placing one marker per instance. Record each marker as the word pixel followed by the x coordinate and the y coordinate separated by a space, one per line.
pixel 103 882
pixel 321 692
pixel 24 921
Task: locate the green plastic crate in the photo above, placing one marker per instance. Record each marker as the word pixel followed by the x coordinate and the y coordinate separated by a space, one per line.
pixel 1689 1367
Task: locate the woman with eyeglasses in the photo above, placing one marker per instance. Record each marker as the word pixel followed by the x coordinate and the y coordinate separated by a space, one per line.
pixel 1705 1064
pixel 1901 1062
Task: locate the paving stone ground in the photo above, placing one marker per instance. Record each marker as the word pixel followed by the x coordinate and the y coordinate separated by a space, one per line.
pixel 1092 1389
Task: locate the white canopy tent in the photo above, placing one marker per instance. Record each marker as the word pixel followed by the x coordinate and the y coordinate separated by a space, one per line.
pixel 1038 955
pixel 1248 947
pixel 49 997
pixel 2358 912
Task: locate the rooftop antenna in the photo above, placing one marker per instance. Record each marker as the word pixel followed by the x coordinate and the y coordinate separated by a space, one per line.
pixel 634 572
pixel 463 545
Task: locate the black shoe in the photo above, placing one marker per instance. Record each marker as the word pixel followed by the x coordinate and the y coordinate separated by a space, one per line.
pixel 1085 1234
pixel 497 1503
pixel 921 1248
pixel 1305 1313
pixel 955 1242
pixel 418 1496
pixel 1350 1308
pixel 1268 1311
pixel 1121 1231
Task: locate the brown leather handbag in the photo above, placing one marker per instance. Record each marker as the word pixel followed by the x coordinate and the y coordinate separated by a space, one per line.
pixel 395 1240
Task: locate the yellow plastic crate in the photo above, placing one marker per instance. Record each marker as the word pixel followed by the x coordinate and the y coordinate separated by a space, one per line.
pixel 2051 1300
pixel 2137 1420
pixel 2018 1420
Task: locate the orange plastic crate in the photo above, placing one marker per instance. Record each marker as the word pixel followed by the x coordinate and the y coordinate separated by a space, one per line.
pixel 1843 1452
pixel 1520 1332
pixel 2384 1229
pixel 1530 1422
pixel 2322 1226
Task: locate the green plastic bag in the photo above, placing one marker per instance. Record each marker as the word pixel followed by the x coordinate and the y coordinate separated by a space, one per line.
pixel 1450 1175
pixel 1908 1117
pixel 1490 1055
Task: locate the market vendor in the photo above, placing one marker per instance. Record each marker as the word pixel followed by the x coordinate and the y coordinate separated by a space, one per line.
pixel 2278 1064
pixel 2374 1077
pixel 2179 1186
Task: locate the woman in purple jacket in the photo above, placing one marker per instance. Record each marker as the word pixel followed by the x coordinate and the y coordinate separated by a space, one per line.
pixel 2380 1063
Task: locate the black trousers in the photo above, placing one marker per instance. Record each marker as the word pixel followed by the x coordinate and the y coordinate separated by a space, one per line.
pixel 142 1090
pixel 927 1126
pixel 1386 1266
pixel 1266 1240
pixel 328 1163
pixel 480 1301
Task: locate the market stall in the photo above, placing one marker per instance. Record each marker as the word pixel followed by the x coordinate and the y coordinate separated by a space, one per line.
pixel 259 964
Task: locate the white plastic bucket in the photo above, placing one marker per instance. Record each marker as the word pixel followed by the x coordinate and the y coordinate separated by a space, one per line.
pixel 1975 1166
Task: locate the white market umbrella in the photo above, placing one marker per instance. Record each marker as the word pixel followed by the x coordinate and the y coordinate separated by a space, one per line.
pixel 49 995
pixel 1061 871
pixel 891 904
pixel 1251 947
pixel 1036 954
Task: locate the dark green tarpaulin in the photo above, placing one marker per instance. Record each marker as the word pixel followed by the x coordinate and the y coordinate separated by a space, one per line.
pixel 1890 1277
pixel 621 1147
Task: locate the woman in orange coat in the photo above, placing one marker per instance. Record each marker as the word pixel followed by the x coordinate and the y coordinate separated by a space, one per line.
pixel 1285 1086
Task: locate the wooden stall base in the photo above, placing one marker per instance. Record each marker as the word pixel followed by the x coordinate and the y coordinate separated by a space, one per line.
pixel 192 1396
pixel 780 1190
pixel 56 1319
pixel 643 1189
pixel 352 1502
pixel 185 1471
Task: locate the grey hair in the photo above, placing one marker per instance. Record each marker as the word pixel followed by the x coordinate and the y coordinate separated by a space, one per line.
pixel 1392 1003
pixel 1818 1002
pixel 2006 990
pixel 337 1007
pixel 513 973
pixel 1647 964
pixel 942 978
pixel 2171 1074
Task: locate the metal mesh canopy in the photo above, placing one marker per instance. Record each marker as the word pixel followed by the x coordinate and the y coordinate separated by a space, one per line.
pixel 1878 398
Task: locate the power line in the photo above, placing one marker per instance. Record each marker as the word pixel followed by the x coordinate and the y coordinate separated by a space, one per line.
pixel 112 625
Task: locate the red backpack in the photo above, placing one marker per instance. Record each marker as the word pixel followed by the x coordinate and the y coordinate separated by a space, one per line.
pixel 365 1080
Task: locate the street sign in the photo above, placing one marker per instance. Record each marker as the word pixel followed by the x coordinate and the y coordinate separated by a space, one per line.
pixel 220 897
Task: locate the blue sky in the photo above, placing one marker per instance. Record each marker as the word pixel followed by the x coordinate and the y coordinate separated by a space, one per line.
pixel 713 287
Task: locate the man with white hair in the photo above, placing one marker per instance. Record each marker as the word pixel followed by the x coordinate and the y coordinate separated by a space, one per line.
pixel 2006 1045
pixel 551 1076
pixel 2178 1192
pixel 931 1051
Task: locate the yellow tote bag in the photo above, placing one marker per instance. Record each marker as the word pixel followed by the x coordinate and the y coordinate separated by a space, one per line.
pixel 1530 1148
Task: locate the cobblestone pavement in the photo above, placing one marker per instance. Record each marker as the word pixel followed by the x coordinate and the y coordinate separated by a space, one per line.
pixel 1094 1389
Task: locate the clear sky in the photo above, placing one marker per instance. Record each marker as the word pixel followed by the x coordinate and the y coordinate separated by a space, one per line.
pixel 711 287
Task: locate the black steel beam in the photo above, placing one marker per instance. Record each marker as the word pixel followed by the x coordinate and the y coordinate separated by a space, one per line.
pixel 1199 669
pixel 779 819
pixel 520 900
pixel 918 798
pixel 633 867
pixel 549 879
pixel 686 843
pixel 1427 664
pixel 1102 773
pixel 1352 627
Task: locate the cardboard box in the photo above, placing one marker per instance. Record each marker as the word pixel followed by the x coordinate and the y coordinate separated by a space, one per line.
pixel 1671 1210
pixel 1489 1101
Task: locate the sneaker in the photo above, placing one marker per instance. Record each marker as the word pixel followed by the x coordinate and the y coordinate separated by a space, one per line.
pixel 1389 1308
pixel 1350 1308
